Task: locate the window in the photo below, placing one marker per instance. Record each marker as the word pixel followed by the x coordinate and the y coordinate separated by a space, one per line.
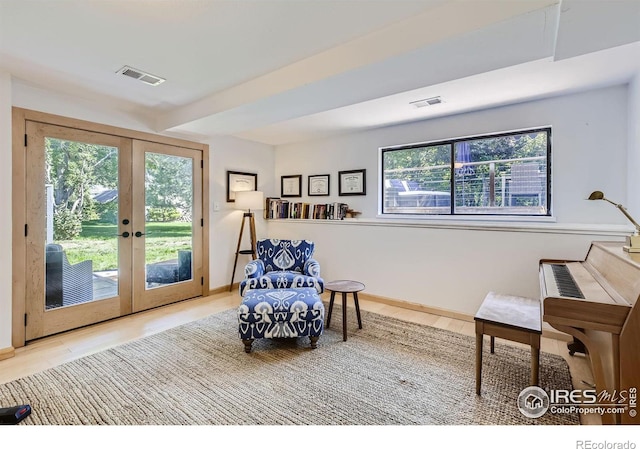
pixel 498 174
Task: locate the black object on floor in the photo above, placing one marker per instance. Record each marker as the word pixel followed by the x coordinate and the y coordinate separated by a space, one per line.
pixel 13 415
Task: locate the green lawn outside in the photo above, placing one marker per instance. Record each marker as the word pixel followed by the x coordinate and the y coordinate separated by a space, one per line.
pixel 98 242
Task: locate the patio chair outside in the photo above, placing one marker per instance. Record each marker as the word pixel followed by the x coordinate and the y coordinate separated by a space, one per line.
pixel 76 279
pixel 526 182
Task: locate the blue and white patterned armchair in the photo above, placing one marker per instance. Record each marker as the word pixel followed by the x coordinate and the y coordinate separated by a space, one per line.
pixel 282 264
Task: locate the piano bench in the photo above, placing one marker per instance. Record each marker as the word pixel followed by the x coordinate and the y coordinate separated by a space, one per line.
pixel 513 318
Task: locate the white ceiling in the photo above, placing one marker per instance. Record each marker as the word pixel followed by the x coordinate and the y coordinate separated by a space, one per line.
pixel 283 71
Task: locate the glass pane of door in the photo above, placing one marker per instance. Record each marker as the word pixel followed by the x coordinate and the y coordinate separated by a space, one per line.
pixel 168 219
pixel 81 242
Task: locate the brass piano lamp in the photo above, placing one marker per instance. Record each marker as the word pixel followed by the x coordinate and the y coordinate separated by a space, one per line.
pixel 633 241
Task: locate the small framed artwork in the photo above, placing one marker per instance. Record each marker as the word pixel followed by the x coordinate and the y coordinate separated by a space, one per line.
pixel 291 186
pixel 318 185
pixel 352 182
pixel 240 182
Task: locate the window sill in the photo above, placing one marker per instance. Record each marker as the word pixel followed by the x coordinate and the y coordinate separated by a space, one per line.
pixel 548 225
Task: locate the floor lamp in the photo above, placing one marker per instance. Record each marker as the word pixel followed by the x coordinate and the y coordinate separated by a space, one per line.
pixel 247 201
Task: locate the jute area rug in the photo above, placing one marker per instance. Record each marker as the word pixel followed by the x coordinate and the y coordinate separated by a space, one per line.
pixel 389 373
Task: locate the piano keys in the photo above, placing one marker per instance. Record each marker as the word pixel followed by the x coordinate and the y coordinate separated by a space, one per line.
pixel 563 283
pixel 595 302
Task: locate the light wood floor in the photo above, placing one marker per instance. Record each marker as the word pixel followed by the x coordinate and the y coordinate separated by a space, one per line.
pixel 55 350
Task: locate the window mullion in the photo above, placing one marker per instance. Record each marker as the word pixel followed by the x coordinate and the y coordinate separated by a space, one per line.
pixel 452 183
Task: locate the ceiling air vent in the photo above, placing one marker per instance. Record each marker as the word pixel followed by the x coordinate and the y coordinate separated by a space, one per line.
pixel 426 102
pixel 141 76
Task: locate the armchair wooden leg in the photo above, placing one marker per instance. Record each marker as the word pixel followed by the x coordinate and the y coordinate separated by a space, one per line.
pixel 247 345
pixel 314 342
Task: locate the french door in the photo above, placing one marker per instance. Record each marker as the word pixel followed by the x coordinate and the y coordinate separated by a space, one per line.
pixel 167 226
pixel 114 226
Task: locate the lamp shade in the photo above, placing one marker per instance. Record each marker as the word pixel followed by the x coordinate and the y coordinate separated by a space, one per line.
pixel 250 200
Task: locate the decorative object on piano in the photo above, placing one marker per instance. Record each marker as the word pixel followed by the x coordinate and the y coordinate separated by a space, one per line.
pixel 633 241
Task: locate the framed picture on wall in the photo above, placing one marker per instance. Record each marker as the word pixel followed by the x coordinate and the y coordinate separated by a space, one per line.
pixel 291 186
pixel 240 182
pixel 318 185
pixel 352 182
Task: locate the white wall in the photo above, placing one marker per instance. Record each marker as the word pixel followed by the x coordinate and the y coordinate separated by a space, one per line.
pixel 587 127
pixel 38 99
pixel 633 157
pixel 228 153
pixel 6 216
pixel 453 267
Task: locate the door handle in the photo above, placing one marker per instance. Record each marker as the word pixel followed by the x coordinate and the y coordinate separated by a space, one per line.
pixel 139 234
pixel 125 234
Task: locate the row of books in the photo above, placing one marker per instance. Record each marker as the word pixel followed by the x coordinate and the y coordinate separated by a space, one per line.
pixel 279 208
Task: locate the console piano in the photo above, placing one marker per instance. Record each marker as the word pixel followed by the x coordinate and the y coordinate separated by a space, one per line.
pixel 596 302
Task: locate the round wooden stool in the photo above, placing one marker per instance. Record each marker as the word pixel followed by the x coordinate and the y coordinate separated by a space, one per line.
pixel 344 287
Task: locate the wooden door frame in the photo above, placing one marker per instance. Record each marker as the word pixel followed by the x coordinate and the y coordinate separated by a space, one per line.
pixel 18 261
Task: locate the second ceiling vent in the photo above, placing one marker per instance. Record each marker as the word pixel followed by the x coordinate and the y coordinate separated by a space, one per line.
pixel 426 102
pixel 141 76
